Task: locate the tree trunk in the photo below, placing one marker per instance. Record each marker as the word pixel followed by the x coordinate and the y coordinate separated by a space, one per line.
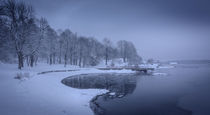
pixel 106 55
pixel 36 60
pixel 76 61
pixel 59 60
pixel 65 60
pixel 80 58
pixel 80 61
pixel 53 58
pixel 27 60
pixel 71 62
pixel 20 60
pixel 124 59
pixel 31 60
pixel 60 55
pixel 50 59
pixel 84 62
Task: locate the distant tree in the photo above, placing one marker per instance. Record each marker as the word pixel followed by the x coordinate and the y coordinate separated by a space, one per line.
pixel 95 51
pixel 72 47
pixel 128 52
pixel 66 36
pixel 150 61
pixel 107 48
pixel 60 42
pixel 32 44
pixel 41 36
pixel 82 50
pixel 51 39
pixel 121 48
pixel 32 39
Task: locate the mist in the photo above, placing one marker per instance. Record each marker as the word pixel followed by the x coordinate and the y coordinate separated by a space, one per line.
pixel 104 57
pixel 160 29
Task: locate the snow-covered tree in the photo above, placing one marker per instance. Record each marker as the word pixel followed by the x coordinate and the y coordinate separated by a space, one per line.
pixel 107 48
pixel 66 37
pixel 20 20
pixel 26 38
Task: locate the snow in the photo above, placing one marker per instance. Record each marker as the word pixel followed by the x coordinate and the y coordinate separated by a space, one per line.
pixel 148 66
pixel 165 66
pixel 120 96
pixel 44 94
pixel 112 93
pixel 173 63
pixel 118 62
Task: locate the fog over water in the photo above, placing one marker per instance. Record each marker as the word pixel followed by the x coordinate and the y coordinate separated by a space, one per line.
pixel 160 29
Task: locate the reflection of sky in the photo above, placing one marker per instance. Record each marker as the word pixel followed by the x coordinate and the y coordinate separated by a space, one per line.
pixel 163 29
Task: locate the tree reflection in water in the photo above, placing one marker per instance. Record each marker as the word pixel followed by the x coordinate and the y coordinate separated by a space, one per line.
pixel 119 85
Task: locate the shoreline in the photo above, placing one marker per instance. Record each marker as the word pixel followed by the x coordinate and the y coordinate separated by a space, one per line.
pixel 44 93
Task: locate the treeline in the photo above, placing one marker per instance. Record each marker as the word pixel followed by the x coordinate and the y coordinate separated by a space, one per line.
pixel 26 39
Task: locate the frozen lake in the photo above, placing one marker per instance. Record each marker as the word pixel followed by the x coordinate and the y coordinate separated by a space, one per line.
pixel 183 90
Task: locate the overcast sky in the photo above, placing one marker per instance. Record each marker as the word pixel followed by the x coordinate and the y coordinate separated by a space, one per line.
pixel 160 29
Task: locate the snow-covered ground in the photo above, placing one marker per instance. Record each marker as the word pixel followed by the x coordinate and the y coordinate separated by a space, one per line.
pixel 44 94
pixel 148 66
pixel 118 62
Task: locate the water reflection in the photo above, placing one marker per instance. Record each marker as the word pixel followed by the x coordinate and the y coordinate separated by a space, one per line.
pixel 125 97
pixel 119 85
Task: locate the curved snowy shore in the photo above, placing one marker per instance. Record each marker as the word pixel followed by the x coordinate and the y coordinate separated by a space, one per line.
pixel 44 94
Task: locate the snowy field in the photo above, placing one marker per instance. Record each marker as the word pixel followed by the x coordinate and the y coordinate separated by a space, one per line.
pixel 44 94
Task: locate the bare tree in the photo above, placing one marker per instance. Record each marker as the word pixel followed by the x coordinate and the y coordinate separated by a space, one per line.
pixel 66 36
pixel 20 18
pixel 107 46
pixel 33 38
pixel 128 52
pixel 51 42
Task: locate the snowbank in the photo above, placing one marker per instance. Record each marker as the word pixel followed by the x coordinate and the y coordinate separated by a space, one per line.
pixel 148 66
pixel 44 94
pixel 165 67
pixel 173 63
pixel 118 62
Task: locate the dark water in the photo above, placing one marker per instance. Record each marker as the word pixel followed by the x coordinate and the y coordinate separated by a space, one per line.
pixel 140 94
